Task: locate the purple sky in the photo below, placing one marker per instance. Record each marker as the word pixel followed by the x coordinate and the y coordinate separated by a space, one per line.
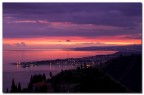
pixel 87 20
pixel 126 16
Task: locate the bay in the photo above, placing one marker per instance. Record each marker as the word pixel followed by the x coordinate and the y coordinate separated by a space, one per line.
pixel 23 75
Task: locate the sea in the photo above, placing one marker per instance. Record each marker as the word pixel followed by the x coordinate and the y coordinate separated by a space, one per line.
pixel 23 75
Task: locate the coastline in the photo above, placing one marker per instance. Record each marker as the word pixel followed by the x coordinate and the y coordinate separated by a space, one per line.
pixel 90 60
pixel 83 78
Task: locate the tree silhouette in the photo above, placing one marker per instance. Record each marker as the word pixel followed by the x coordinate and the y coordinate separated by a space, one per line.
pixel 13 87
pixel 81 66
pixel 30 84
pixel 19 87
pixel 36 89
pixel 50 74
pixel 7 91
pixel 44 77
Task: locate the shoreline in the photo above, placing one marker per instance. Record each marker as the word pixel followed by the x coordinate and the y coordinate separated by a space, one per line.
pixel 65 61
pixel 83 79
pixel 90 60
pixel 101 65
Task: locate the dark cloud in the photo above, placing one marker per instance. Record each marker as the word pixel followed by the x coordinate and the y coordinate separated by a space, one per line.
pixel 126 16
pixel 115 14
pixel 34 30
pixel 68 40
pixel 21 44
pixel 131 9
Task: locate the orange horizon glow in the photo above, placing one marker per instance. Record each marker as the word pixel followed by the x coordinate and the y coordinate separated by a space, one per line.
pixel 74 41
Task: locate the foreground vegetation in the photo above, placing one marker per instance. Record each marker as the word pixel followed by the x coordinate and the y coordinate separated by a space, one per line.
pixel 110 77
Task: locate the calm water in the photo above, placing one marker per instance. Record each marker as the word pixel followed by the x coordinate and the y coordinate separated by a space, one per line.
pixel 22 75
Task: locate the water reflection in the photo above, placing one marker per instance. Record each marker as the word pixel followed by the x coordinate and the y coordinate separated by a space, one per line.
pixel 31 55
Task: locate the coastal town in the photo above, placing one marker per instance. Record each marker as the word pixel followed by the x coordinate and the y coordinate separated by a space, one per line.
pixel 87 75
pixel 86 61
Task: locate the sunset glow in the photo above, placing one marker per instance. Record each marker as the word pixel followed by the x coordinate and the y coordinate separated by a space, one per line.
pixel 69 47
pixel 100 26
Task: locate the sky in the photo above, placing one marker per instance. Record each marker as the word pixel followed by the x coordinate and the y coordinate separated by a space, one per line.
pixel 70 25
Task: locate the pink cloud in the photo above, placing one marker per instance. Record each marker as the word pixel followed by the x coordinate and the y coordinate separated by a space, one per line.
pixel 25 21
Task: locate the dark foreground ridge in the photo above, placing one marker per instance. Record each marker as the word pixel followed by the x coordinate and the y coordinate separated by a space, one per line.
pixel 118 75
